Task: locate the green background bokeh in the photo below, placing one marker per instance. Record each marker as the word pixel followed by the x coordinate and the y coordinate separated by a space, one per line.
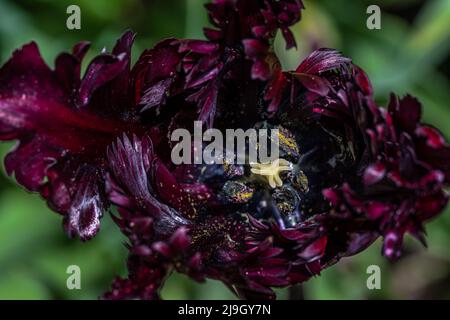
pixel 409 54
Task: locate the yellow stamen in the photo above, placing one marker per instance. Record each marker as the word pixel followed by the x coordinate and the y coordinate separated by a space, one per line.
pixel 272 171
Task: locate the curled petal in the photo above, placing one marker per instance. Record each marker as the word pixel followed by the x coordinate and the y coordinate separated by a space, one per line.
pixel 322 60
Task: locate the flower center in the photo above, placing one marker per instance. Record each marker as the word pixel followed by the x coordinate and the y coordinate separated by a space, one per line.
pixel 271 171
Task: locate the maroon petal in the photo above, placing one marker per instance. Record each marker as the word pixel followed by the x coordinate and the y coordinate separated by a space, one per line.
pixel 392 244
pixel 86 209
pixel 314 83
pixel 261 70
pixel 322 60
pixel 163 248
pixel 180 240
pixel 255 48
pixel 155 72
pixel 144 280
pixel 206 98
pixel 156 94
pixel 433 138
pixel 275 90
pixel 68 67
pixel 102 69
pixel 240 19
pixel 198 46
pixel 374 173
pixel 169 190
pixel 405 112
pixel 56 140
pixel 376 210
pixel 114 98
pixel 430 206
pixel 332 196
pixel 362 80
pixel 313 251
pixel 131 163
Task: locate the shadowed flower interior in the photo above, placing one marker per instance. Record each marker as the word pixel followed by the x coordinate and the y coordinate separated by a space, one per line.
pixel 349 171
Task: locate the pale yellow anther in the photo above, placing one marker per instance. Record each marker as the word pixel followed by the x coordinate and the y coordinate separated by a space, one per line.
pixel 271 171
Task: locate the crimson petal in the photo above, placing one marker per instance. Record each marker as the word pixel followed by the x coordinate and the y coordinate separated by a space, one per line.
pixel 61 148
pixel 322 60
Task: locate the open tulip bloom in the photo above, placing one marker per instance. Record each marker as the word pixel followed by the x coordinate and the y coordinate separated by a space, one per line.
pixel 347 173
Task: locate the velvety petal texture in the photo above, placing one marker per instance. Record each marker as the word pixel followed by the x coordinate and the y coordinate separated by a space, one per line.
pixel 62 135
pixel 352 171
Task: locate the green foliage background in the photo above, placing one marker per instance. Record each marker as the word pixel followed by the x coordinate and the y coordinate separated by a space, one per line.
pixel 409 54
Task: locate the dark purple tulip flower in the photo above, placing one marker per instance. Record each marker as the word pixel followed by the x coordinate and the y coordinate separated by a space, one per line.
pixel 357 171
